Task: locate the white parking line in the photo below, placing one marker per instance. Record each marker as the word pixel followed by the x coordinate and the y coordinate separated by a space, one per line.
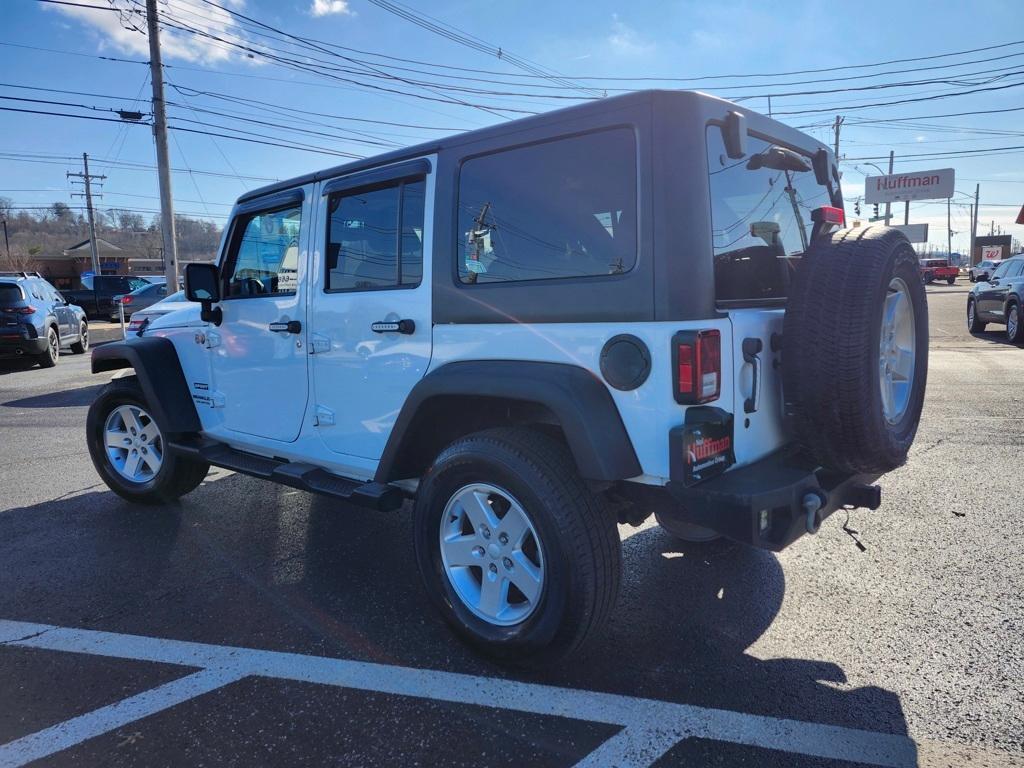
pixel 651 727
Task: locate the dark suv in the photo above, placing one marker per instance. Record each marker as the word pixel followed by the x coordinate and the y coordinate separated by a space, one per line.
pixel 998 300
pixel 36 321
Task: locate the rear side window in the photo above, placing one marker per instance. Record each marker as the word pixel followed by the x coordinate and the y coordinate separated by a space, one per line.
pixel 9 292
pixel 759 217
pixel 563 208
pixel 375 237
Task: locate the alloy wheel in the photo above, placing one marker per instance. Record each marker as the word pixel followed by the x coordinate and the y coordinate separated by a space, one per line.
pixel 133 443
pixel 897 353
pixel 491 554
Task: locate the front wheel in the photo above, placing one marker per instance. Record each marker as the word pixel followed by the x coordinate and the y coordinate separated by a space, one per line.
pixel 951 280
pixel 974 325
pixel 515 551
pixel 129 449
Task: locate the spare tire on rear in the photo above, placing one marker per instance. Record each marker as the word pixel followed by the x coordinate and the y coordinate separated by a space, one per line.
pixel 855 350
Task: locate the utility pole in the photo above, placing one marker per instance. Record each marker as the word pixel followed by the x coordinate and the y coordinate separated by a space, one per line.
pixel 974 219
pixel 949 231
pixel 162 159
pixel 87 178
pixel 888 206
pixel 7 243
pixel 839 121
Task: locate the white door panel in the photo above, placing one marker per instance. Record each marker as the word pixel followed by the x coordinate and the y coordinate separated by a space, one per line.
pixel 262 374
pixel 361 378
pixel 757 432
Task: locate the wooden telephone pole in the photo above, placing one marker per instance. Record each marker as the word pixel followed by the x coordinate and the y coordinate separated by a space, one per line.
pixel 162 157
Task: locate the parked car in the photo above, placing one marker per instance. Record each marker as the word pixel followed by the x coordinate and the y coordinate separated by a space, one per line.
pixel 983 269
pixel 97 293
pixel 36 320
pixel 142 297
pixel 144 317
pixel 999 300
pixel 938 269
pixel 536 330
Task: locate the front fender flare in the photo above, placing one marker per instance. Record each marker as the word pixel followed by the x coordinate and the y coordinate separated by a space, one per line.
pixel 159 372
pixel 579 401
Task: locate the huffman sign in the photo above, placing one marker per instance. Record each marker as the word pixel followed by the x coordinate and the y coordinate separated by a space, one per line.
pixel 919 185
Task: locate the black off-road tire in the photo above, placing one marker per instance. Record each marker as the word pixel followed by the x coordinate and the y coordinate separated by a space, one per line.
pixel 81 346
pixel 831 350
pixel 49 358
pixel 576 531
pixel 974 325
pixel 1017 336
pixel 177 475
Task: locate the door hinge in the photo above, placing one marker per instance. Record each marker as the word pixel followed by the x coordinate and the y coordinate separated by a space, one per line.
pixel 318 344
pixel 324 416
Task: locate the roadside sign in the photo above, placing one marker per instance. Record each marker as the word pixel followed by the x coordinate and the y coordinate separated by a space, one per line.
pixel 916 233
pixel 1020 216
pixel 991 252
pixel 919 185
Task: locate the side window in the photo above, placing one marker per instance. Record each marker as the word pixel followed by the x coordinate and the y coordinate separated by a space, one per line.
pixel 562 208
pixel 1016 269
pixel 375 237
pixel 1002 269
pixel 264 254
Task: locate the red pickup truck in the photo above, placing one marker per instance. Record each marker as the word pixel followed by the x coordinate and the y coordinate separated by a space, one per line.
pixel 938 269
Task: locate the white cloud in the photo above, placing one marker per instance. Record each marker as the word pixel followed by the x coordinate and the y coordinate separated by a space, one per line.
pixel 125 31
pixel 328 7
pixel 626 40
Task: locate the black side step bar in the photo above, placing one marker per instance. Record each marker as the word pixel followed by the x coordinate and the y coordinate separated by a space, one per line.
pixel 305 477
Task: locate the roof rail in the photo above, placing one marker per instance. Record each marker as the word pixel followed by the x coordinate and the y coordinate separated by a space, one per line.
pixel 21 273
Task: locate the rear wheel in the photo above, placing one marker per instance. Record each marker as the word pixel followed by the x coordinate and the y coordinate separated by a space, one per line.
pixel 1014 330
pixel 81 346
pixel 51 355
pixel 855 361
pixel 129 449
pixel 515 551
pixel 951 280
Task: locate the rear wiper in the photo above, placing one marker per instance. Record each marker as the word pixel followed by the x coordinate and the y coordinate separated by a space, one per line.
pixel 143 326
pixel 779 159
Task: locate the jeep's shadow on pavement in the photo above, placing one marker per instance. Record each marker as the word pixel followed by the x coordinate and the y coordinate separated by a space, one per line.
pixel 245 563
pixel 63 398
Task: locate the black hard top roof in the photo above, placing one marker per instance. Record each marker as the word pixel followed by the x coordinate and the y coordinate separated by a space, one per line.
pixel 595 108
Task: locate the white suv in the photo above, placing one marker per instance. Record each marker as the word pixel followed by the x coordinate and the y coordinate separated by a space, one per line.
pixel 534 331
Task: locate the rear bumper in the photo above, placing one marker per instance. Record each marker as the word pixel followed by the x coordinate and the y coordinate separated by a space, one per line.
pixel 771 503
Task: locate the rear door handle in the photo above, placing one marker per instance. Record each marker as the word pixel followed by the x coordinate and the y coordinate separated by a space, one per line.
pixel 286 326
pixel 397 326
pixel 752 354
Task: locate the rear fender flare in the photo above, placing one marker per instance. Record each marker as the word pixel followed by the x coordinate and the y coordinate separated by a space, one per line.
pixel 579 401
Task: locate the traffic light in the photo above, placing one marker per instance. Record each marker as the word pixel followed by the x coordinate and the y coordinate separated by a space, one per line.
pixel 856 206
pixel 876 210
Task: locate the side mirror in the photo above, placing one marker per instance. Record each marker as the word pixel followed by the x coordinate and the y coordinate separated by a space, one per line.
pixel 734 135
pixel 202 284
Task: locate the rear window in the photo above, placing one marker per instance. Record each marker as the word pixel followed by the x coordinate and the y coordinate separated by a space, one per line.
pixel 9 292
pixel 559 209
pixel 760 217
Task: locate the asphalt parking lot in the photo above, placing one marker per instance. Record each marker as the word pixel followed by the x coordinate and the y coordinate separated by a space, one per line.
pixel 258 625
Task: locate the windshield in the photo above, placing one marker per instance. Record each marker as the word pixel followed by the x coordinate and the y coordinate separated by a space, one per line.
pixel 761 208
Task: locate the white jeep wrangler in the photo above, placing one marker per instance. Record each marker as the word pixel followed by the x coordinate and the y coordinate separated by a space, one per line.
pixel 640 305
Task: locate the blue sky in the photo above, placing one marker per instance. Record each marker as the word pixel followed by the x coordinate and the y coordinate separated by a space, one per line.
pixel 691 41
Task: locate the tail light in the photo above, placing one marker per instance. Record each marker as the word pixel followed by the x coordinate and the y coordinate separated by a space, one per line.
pixel 125 300
pixel 829 215
pixel 20 310
pixel 697 366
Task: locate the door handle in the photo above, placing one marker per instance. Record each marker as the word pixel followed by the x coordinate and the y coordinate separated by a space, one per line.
pixel 751 354
pixel 283 326
pixel 398 326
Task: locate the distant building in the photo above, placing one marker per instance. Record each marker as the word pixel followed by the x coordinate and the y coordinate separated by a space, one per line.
pixel 64 269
